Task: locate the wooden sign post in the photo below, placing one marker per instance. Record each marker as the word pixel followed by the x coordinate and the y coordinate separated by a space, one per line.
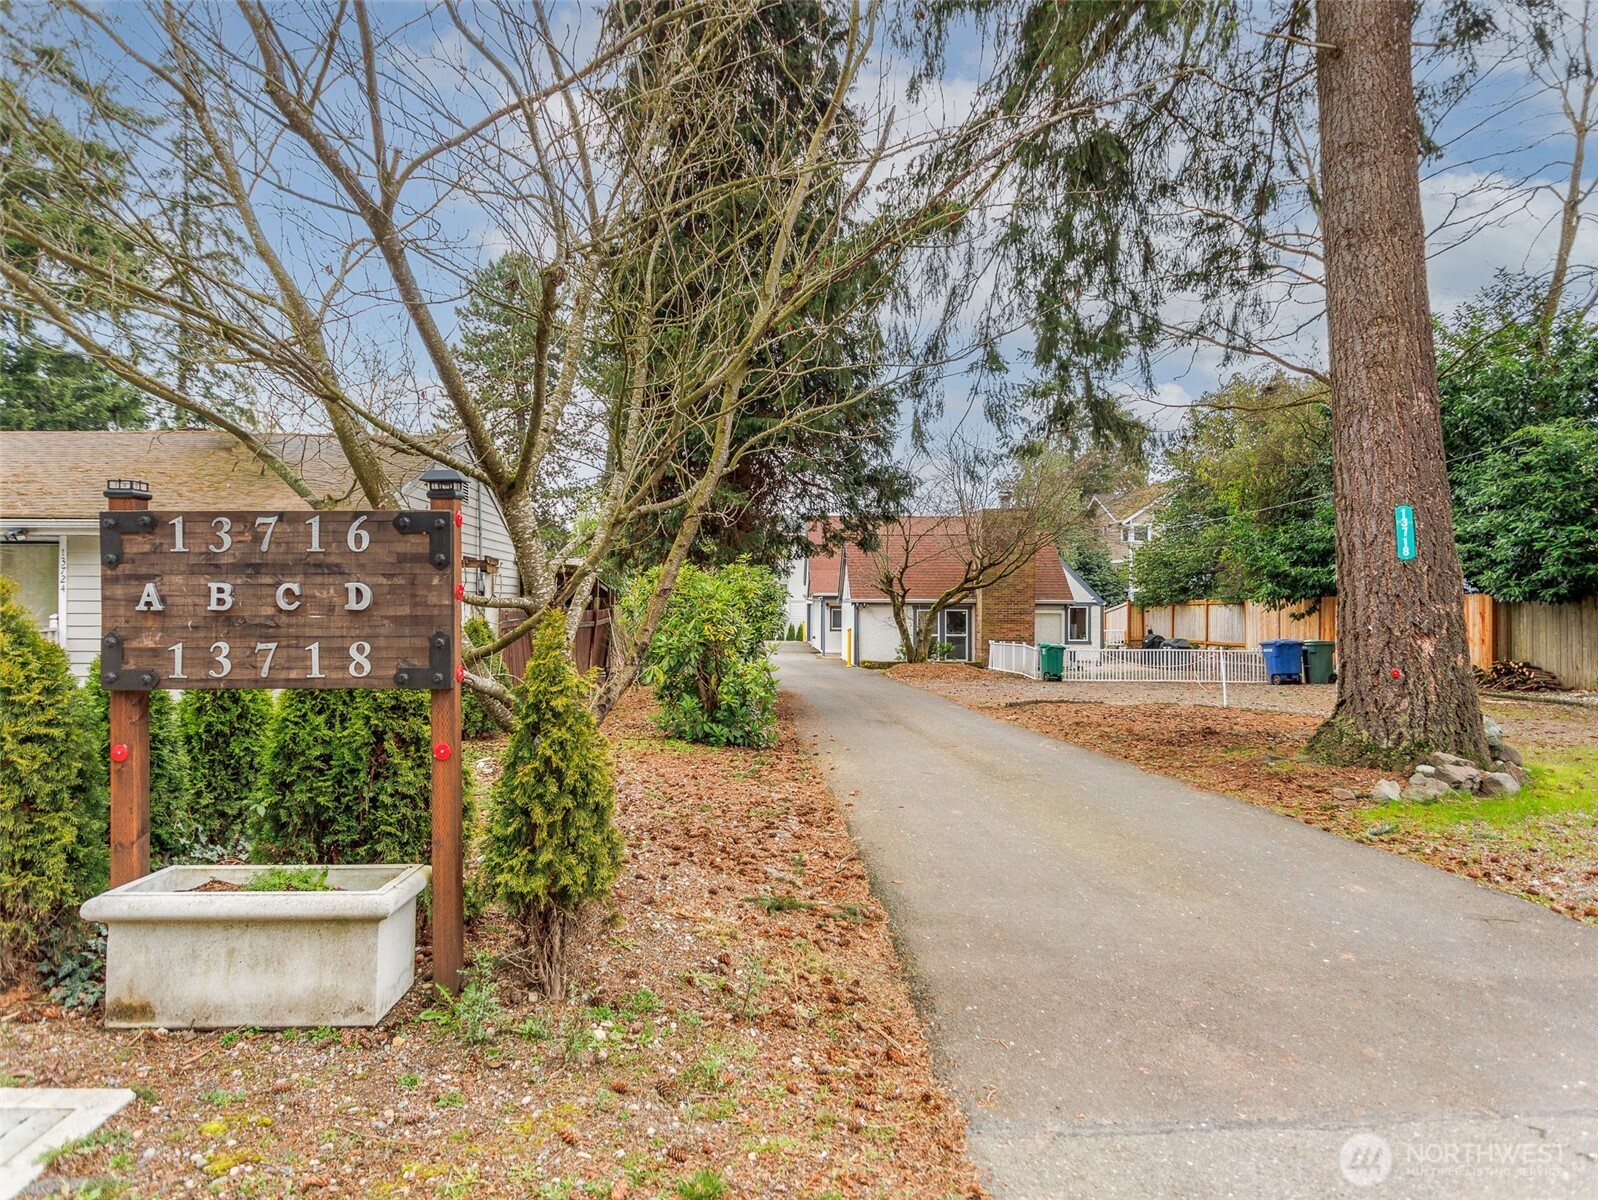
pixel 295 599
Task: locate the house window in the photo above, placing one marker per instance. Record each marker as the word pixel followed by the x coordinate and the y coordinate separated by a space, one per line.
pixel 835 617
pixel 1140 533
pixel 953 630
pixel 36 568
pixel 1077 628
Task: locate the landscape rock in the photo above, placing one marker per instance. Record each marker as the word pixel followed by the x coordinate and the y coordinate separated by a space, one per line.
pixel 1494 732
pixel 1465 778
pixel 1518 774
pixel 1499 783
pixel 1425 769
pixel 1387 789
pixel 1427 791
pixel 1441 758
pixel 1344 794
pixel 1509 754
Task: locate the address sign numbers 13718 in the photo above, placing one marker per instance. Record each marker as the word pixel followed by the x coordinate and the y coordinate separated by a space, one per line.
pixel 277 599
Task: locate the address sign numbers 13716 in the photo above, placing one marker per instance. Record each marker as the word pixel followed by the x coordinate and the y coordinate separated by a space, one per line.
pixel 277 599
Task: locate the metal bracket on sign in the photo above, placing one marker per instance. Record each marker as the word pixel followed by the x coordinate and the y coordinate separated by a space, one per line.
pixel 435 524
pixel 439 674
pixel 113 525
pixel 112 677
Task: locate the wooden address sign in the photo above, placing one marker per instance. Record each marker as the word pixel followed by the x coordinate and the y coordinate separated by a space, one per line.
pixel 220 599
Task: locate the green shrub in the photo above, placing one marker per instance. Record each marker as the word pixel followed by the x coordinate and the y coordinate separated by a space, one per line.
pixel 224 735
pixel 552 846
pixel 43 750
pixel 707 660
pixel 347 778
pixel 475 719
pixel 171 831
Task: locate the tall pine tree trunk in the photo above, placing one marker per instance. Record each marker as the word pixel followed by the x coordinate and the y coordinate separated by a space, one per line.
pixel 1405 683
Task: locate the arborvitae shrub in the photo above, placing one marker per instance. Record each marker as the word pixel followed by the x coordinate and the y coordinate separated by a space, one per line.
pixel 552 845
pixel 42 753
pixel 171 833
pixel 347 779
pixel 475 721
pixel 224 734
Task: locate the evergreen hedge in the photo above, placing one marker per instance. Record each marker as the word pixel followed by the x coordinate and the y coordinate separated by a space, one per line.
pixel 46 819
pixel 347 778
pixel 552 847
pixel 224 736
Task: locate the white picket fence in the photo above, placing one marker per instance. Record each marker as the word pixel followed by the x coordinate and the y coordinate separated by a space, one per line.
pixel 1014 658
pixel 1166 666
pixel 1093 665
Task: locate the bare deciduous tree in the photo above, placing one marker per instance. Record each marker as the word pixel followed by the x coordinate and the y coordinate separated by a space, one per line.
pixel 978 521
pixel 363 164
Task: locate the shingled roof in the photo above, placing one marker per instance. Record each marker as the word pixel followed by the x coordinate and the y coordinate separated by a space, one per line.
pixel 61 476
pixel 933 550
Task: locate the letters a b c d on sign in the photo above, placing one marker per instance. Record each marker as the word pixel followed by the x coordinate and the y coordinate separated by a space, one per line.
pixel 278 599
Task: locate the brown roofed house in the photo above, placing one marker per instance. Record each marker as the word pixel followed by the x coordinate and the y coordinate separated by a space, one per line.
pixel 846 610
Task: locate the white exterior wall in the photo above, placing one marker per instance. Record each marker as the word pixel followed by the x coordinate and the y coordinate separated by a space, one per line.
pixel 879 636
pixel 484 534
pixel 798 605
pixel 81 602
pixel 1049 625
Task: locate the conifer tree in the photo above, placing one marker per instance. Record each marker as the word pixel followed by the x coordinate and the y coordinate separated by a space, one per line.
pixel 42 751
pixel 552 845
pixel 346 779
pixel 224 735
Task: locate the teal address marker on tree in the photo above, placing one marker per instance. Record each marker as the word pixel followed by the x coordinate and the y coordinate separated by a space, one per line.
pixel 1404 530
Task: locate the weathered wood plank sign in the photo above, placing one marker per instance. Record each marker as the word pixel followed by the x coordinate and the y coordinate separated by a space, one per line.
pixel 229 599
pixel 220 599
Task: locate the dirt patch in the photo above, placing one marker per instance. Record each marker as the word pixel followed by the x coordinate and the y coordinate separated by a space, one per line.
pixel 742 1013
pixel 217 885
pixel 930 671
pixel 1550 857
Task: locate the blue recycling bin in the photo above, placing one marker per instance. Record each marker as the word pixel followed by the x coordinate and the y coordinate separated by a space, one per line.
pixel 1284 660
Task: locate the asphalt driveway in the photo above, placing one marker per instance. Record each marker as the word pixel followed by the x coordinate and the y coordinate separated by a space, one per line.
pixel 1140 990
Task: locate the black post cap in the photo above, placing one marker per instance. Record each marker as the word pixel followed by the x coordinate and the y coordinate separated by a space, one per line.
pixel 444 484
pixel 130 489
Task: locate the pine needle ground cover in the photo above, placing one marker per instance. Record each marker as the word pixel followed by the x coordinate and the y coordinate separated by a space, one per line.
pixel 1541 844
pixel 743 1031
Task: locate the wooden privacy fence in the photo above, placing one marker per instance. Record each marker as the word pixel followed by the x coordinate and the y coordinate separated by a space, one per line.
pixel 1216 623
pixel 591 649
pixel 1562 638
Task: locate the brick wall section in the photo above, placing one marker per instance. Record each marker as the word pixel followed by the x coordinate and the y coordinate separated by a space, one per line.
pixel 1004 611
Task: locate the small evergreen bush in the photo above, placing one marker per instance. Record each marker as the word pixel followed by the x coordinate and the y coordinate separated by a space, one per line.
pixel 707 660
pixel 224 735
pixel 171 832
pixel 347 778
pixel 43 749
pixel 552 847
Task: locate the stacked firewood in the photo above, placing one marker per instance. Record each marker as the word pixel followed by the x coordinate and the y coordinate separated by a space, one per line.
pixel 1507 676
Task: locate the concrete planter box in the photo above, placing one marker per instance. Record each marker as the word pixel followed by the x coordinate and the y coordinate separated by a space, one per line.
pixel 181 959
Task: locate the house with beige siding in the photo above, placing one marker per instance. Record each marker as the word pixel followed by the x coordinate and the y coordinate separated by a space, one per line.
pixel 848 613
pixel 51 496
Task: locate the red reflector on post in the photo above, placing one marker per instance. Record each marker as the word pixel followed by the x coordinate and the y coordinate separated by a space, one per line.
pixel 460 591
pixel 460 674
pixel 441 751
pixel 119 752
pixel 460 519
pixel 1397 674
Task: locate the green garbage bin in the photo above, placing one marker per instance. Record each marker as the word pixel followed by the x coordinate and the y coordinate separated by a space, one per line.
pixel 1051 660
pixel 1318 663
